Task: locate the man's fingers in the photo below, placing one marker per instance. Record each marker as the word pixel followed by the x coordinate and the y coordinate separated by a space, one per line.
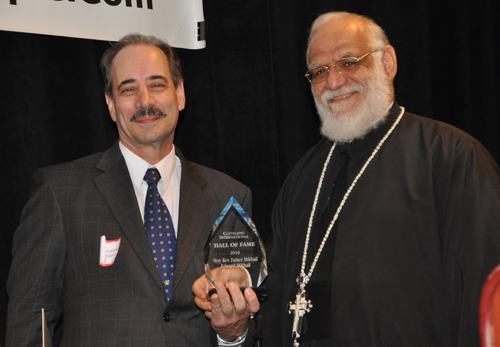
pixel 239 303
pixel 228 309
pixel 253 304
pixel 203 304
pixel 216 306
pixel 201 287
pixel 235 302
pixel 225 300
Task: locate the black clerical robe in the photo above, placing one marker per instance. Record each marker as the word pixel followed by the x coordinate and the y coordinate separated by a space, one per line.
pixel 410 251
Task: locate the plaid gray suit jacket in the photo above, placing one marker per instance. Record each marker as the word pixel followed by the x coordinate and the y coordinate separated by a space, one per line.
pixel 56 257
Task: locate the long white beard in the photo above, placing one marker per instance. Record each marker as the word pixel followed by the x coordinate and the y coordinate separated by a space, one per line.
pixel 349 121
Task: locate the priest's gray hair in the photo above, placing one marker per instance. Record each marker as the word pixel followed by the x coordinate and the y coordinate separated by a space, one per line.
pixel 137 39
pixel 378 36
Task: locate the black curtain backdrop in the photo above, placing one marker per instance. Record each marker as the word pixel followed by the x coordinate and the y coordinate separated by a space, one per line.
pixel 249 110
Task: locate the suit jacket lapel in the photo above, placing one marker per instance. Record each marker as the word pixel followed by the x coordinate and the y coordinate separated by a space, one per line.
pixel 116 187
pixel 193 213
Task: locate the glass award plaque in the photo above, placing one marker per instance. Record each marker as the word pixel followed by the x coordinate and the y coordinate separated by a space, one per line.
pixel 235 242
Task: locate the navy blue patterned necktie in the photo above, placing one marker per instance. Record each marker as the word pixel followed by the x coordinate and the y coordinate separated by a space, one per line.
pixel 160 230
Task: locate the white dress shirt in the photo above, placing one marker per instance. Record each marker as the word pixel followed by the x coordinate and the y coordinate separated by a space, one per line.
pixel 170 169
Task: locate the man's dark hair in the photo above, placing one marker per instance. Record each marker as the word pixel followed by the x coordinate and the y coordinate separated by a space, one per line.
pixel 137 39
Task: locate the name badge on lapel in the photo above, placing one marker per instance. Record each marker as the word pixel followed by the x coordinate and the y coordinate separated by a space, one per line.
pixel 109 250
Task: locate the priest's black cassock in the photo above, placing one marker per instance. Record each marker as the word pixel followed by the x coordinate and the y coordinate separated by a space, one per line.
pixel 406 260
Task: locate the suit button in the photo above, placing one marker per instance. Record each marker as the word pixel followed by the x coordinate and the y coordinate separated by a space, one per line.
pixel 167 317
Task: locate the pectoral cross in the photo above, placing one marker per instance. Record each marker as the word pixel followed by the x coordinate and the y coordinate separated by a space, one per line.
pixel 299 308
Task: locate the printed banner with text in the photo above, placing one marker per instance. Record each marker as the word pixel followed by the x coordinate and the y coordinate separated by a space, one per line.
pixel 179 22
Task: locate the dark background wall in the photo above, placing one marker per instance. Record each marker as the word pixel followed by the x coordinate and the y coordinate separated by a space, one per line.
pixel 249 111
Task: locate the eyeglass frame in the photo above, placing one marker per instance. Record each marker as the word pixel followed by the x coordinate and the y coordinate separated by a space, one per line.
pixel 327 67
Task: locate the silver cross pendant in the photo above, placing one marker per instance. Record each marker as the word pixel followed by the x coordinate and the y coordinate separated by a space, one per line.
pixel 299 308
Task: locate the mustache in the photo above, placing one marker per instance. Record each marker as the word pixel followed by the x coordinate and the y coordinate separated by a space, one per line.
pixel 332 94
pixel 150 111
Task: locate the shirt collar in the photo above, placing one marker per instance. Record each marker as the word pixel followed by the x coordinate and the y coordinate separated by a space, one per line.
pixel 137 167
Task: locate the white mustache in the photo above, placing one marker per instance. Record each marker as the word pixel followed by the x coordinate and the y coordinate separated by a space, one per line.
pixel 337 94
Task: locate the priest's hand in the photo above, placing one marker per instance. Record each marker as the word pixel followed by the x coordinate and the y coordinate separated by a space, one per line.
pixel 229 312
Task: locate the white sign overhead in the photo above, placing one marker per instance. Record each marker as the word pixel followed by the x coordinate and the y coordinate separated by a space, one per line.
pixel 179 22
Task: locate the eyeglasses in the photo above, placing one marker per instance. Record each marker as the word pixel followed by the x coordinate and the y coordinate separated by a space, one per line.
pixel 344 66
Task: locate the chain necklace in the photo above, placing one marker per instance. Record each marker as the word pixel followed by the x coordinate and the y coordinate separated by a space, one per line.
pixel 301 305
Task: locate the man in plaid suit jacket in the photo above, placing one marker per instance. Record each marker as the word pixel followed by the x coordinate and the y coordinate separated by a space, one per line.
pixel 57 245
